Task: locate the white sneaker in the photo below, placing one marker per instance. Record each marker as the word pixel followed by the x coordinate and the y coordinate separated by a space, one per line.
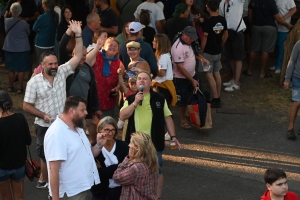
pixel 229 83
pixel 120 124
pixel 232 88
pixel 277 71
pixel 167 136
pixel 272 68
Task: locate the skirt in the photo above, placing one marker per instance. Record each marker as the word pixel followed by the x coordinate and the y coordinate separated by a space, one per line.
pixel 17 61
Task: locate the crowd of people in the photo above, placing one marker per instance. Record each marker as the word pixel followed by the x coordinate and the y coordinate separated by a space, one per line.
pixel 138 57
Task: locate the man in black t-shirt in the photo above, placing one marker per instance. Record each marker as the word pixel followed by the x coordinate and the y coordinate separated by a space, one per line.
pixel 178 22
pixel 262 16
pixel 108 17
pixel 215 36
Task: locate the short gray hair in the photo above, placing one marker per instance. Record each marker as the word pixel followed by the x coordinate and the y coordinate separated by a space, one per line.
pixel 91 17
pixel 16 9
pixel 107 120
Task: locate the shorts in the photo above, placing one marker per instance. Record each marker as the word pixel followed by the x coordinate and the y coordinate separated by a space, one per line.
pixel 296 89
pixel 160 161
pixel 184 89
pixel 40 135
pixel 263 38
pixel 235 50
pixel 13 174
pixel 215 63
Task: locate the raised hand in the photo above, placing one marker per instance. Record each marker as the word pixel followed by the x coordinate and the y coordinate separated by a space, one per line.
pixel 75 26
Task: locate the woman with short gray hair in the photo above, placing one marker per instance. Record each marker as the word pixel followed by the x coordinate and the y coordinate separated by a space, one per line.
pixel 16 47
pixel 113 152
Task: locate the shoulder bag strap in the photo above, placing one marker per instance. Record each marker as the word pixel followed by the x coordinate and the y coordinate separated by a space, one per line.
pixel 240 20
pixel 12 27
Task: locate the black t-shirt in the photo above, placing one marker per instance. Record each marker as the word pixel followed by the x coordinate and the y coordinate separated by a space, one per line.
pixel 148 34
pixel 108 18
pixel 175 25
pixel 215 27
pixel 263 11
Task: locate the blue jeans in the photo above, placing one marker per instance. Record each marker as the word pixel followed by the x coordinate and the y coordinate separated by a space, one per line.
pixel 13 174
pixel 281 37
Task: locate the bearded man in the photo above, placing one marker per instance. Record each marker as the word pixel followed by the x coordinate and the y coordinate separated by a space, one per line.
pixel 46 94
pixel 69 154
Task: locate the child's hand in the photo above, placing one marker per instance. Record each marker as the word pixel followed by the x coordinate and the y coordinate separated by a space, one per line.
pixel 120 71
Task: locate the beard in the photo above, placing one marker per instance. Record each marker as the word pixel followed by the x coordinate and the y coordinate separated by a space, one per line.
pixel 52 72
pixel 79 122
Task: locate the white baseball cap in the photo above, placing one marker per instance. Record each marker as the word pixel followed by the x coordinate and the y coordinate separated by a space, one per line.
pixel 135 27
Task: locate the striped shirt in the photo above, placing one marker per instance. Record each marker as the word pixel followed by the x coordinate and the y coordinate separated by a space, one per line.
pixel 46 98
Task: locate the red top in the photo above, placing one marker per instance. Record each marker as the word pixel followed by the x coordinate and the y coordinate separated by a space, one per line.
pixel 106 83
pixel 288 196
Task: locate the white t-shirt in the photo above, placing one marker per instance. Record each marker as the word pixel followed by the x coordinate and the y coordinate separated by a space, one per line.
pixel 78 171
pixel 183 53
pixel 58 11
pixel 165 63
pixel 283 8
pixel 156 13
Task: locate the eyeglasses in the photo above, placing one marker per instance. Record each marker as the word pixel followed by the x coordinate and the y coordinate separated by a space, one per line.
pixel 109 130
pixel 227 10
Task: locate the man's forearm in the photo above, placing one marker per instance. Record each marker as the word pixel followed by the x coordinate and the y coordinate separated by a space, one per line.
pixel 54 178
pixel 291 12
pixel 32 110
pixel 127 112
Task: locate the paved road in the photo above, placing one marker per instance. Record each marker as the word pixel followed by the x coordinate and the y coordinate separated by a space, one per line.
pixel 226 162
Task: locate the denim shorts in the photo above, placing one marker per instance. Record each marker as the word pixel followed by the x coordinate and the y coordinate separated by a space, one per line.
pixel 184 89
pixel 160 161
pixel 13 174
pixel 296 89
pixel 40 135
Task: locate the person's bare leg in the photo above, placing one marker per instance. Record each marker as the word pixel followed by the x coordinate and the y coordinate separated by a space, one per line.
pixel 293 114
pixel 5 192
pixel 212 84
pixel 92 129
pixel 218 81
pixel 160 184
pixel 17 189
pixel 251 61
pixel 182 112
pixel 11 77
pixel 264 62
pixel 20 80
pixel 232 63
pixel 238 70
pixel 44 171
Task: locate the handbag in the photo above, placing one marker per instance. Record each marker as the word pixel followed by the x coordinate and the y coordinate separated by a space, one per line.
pixel 32 168
pixel 199 109
pixel 232 33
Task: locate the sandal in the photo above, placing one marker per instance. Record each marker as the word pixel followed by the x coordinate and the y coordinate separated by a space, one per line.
pixel 291 134
pixel 10 89
pixel 20 91
pixel 185 125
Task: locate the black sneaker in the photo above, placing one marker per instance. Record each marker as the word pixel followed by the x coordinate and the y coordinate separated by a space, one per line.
pixel 42 185
pixel 291 135
pixel 216 103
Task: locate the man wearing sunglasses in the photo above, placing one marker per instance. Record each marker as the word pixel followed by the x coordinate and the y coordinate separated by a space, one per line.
pixel 46 94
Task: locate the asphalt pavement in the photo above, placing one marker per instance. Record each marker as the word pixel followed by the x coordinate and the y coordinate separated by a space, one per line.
pixel 226 162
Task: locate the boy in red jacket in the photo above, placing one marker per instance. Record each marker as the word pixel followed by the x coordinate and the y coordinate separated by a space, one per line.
pixel 276 182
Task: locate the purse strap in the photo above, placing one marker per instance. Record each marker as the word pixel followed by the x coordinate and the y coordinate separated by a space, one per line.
pixel 12 27
pixel 240 20
pixel 197 89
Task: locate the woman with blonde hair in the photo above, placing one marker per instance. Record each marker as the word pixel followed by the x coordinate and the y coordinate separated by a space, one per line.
pixel 138 173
